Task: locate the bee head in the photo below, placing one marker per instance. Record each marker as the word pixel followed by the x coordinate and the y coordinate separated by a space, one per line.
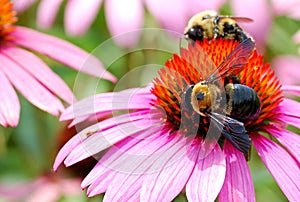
pixel 200 26
pixel 200 98
pixel 195 33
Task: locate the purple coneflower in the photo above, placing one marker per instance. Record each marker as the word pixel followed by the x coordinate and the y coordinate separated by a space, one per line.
pixel 153 152
pixel 23 70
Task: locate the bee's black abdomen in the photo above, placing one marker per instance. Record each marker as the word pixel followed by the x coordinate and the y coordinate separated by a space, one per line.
pixel 243 101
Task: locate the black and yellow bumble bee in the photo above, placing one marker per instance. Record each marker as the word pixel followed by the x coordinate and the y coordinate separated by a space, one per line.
pixel 209 25
pixel 240 102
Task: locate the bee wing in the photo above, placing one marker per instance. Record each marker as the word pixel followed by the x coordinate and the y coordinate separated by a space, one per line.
pixel 236 59
pixel 238 19
pixel 233 130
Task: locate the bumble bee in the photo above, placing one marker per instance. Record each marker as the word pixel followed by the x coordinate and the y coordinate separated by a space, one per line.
pixel 240 102
pixel 209 25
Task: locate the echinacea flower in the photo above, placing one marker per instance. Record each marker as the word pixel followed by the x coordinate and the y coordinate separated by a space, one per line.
pixel 25 71
pixel 156 150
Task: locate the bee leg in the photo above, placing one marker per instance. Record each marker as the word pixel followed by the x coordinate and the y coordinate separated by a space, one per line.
pixel 216 28
pixel 231 79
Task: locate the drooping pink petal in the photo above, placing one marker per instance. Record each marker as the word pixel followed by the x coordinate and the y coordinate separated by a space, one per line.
pixel 9 105
pixel 286 68
pixel 77 139
pixel 208 176
pixel 22 5
pixel 288 139
pixel 136 98
pixel 127 185
pixel 290 120
pixel 30 88
pixel 290 107
pixel 170 14
pixel 3 122
pixel 238 184
pixel 79 15
pixel 47 11
pixel 123 17
pixel 124 187
pixel 61 51
pixel 165 184
pixel 196 6
pixel 41 72
pixel 260 12
pixel 65 150
pixel 132 156
pixel 281 165
pixel 103 139
pixel 87 118
pixel 291 89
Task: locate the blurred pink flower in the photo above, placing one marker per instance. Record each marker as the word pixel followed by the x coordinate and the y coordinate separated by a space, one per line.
pixel 121 16
pixel 156 149
pixel 287 69
pixel 44 189
pixel 25 71
pixel 263 13
pixel 287 66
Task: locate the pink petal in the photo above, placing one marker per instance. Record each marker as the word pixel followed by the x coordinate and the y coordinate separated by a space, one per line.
pixel 30 88
pixel 47 11
pixel 208 176
pixel 77 139
pixel 136 98
pixel 127 185
pixel 260 12
pixel 65 151
pixel 41 72
pixel 22 5
pixel 291 89
pixel 61 51
pixel 103 139
pixel 290 120
pixel 290 107
pixel 79 15
pixel 165 184
pixel 238 184
pixel 281 165
pixel 170 14
pixel 123 17
pixel 132 156
pixel 196 6
pixel 288 139
pixel 101 183
pixel 126 188
pixel 286 68
pixel 9 105
pixel 286 7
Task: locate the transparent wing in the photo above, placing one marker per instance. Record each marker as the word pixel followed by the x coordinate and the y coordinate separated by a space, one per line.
pixel 238 19
pixel 233 130
pixel 200 65
pixel 236 59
